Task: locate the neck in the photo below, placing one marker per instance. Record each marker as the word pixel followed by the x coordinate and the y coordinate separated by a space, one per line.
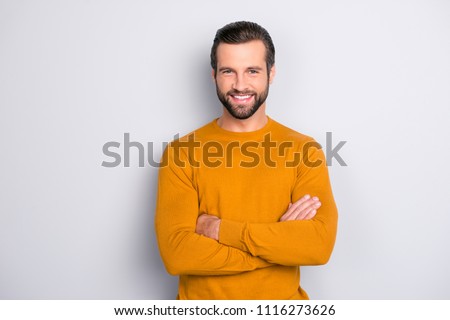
pixel 255 122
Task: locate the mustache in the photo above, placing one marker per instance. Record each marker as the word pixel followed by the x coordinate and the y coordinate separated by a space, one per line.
pixel 237 92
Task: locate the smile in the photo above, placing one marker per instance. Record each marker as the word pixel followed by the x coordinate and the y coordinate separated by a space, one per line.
pixel 242 98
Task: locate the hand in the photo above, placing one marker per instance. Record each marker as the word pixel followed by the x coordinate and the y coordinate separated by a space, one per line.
pixel 303 209
pixel 208 226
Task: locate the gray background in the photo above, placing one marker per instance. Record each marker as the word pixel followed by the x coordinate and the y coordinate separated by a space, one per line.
pixel 77 74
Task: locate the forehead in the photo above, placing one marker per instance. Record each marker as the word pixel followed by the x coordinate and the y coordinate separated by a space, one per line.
pixel 242 54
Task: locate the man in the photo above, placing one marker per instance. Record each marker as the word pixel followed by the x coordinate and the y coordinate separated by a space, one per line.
pixel 243 201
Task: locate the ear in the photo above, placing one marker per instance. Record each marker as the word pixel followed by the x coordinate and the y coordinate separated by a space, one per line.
pixel 272 74
pixel 213 75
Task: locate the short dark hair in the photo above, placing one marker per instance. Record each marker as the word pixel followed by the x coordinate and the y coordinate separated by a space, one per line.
pixel 242 32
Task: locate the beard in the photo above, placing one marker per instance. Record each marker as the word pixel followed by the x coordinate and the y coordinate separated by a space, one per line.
pixel 240 111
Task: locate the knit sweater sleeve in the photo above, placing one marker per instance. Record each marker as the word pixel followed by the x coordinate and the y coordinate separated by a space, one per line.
pixel 305 242
pixel 182 250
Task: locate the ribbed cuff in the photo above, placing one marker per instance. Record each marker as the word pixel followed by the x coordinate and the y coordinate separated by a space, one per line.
pixel 230 234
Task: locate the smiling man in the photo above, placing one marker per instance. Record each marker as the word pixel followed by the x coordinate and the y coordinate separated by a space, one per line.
pixel 242 92
pixel 244 201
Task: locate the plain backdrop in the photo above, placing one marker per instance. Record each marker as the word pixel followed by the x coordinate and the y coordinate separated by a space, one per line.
pixel 75 75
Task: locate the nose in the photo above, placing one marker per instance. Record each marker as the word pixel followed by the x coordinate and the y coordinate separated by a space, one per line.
pixel 240 83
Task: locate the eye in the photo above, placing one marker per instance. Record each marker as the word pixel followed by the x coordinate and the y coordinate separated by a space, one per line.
pixel 226 71
pixel 253 71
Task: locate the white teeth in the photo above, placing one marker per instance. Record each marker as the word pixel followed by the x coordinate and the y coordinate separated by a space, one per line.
pixel 242 97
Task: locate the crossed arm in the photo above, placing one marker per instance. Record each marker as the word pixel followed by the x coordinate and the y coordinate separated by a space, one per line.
pixel 303 209
pixel 207 245
pixel 297 239
pixel 184 251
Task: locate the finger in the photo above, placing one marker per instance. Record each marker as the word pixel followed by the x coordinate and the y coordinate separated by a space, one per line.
pixel 293 206
pixel 303 199
pixel 307 212
pixel 310 215
pixel 308 203
pixel 287 213
pixel 304 208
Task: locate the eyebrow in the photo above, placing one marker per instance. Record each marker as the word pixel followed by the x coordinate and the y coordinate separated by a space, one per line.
pixel 256 68
pixel 228 68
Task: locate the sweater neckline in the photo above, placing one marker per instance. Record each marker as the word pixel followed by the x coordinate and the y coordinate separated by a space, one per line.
pixel 246 134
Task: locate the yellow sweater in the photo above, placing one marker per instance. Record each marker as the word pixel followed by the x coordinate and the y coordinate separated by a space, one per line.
pixel 247 179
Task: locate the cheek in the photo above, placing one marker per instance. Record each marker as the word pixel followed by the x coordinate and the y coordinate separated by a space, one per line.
pixel 261 84
pixel 223 84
